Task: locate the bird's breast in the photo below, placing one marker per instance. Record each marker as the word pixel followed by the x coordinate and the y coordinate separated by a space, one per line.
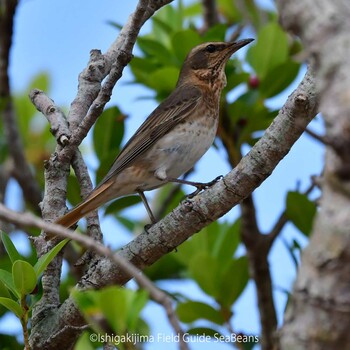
pixel 183 146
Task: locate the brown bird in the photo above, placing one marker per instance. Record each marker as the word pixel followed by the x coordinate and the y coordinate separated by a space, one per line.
pixel 173 138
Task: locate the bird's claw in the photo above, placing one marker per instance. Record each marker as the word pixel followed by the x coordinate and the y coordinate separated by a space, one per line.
pixel 147 227
pixel 203 186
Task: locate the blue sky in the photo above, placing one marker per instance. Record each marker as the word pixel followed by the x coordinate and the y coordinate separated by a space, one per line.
pixel 56 37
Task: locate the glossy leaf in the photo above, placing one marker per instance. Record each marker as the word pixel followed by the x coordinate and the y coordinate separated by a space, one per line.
pixel 120 307
pixel 278 79
pixel 141 68
pixel 301 211
pixel 45 260
pixel 191 311
pixel 227 242
pixel 167 267
pixel 10 248
pixel 12 306
pixel 183 41
pixel 84 342
pixel 24 277
pixel 156 50
pixel 192 10
pixel 163 79
pixel 216 33
pixel 234 279
pixel 204 331
pixel 105 164
pixel 204 270
pixel 138 302
pixel 269 51
pixel 229 10
pixel 122 203
pixel 73 190
pixel 7 280
pixel 108 132
pixel 127 223
pixel 4 292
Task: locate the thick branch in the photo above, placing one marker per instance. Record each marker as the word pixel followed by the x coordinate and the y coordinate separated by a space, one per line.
pixel 192 215
pixel 318 316
pixel 27 219
pixel 91 97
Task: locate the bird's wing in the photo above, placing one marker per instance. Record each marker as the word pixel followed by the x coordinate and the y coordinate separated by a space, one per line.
pixel 180 104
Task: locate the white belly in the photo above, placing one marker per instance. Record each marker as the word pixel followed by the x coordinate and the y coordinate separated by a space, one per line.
pixel 180 149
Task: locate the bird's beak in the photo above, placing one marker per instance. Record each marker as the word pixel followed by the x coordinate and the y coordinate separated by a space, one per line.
pixel 235 46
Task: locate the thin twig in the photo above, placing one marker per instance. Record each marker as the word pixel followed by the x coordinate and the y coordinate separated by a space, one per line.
pixel 29 220
pixel 323 139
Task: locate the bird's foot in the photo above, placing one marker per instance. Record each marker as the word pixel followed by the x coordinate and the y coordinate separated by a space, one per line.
pixel 202 186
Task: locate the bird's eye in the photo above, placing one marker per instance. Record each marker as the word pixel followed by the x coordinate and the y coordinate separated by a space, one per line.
pixel 210 48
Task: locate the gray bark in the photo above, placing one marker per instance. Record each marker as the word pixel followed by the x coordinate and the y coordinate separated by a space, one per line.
pixel 318 316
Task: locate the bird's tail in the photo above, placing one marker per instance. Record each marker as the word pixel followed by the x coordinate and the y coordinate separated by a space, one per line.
pixel 95 199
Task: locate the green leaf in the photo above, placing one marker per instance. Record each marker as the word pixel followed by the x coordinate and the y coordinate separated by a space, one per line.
pixel 138 302
pixel 45 259
pixel 233 281
pixel 229 10
pixel 122 203
pixel 183 41
pixel 216 33
pixel 40 81
pixel 4 292
pixel 120 306
pixel 269 51
pixel 193 10
pixel 141 67
pixel 227 242
pixel 105 164
pixel 73 190
pixel 127 223
pixel 191 311
pixel 108 132
pixel 7 280
pixel 172 16
pixel 24 277
pixel 205 271
pixel 154 49
pixel 278 79
pixel 301 211
pixel 10 248
pixel 12 306
pixel 167 267
pixel 204 331
pixel 84 342
pixel 164 79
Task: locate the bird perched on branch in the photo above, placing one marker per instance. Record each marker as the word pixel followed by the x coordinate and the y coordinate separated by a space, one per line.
pixel 173 138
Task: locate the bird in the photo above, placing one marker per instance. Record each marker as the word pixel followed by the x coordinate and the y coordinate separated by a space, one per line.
pixel 172 138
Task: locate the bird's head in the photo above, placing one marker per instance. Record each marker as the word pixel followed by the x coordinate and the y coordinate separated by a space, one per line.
pixel 207 61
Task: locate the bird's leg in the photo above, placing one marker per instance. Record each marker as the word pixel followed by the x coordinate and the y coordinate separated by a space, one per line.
pixel 148 208
pixel 199 185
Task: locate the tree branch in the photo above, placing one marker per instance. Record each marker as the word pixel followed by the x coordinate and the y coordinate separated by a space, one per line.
pixel 192 215
pixel 258 249
pixel 211 16
pixel 27 219
pixel 22 170
pixel 318 312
